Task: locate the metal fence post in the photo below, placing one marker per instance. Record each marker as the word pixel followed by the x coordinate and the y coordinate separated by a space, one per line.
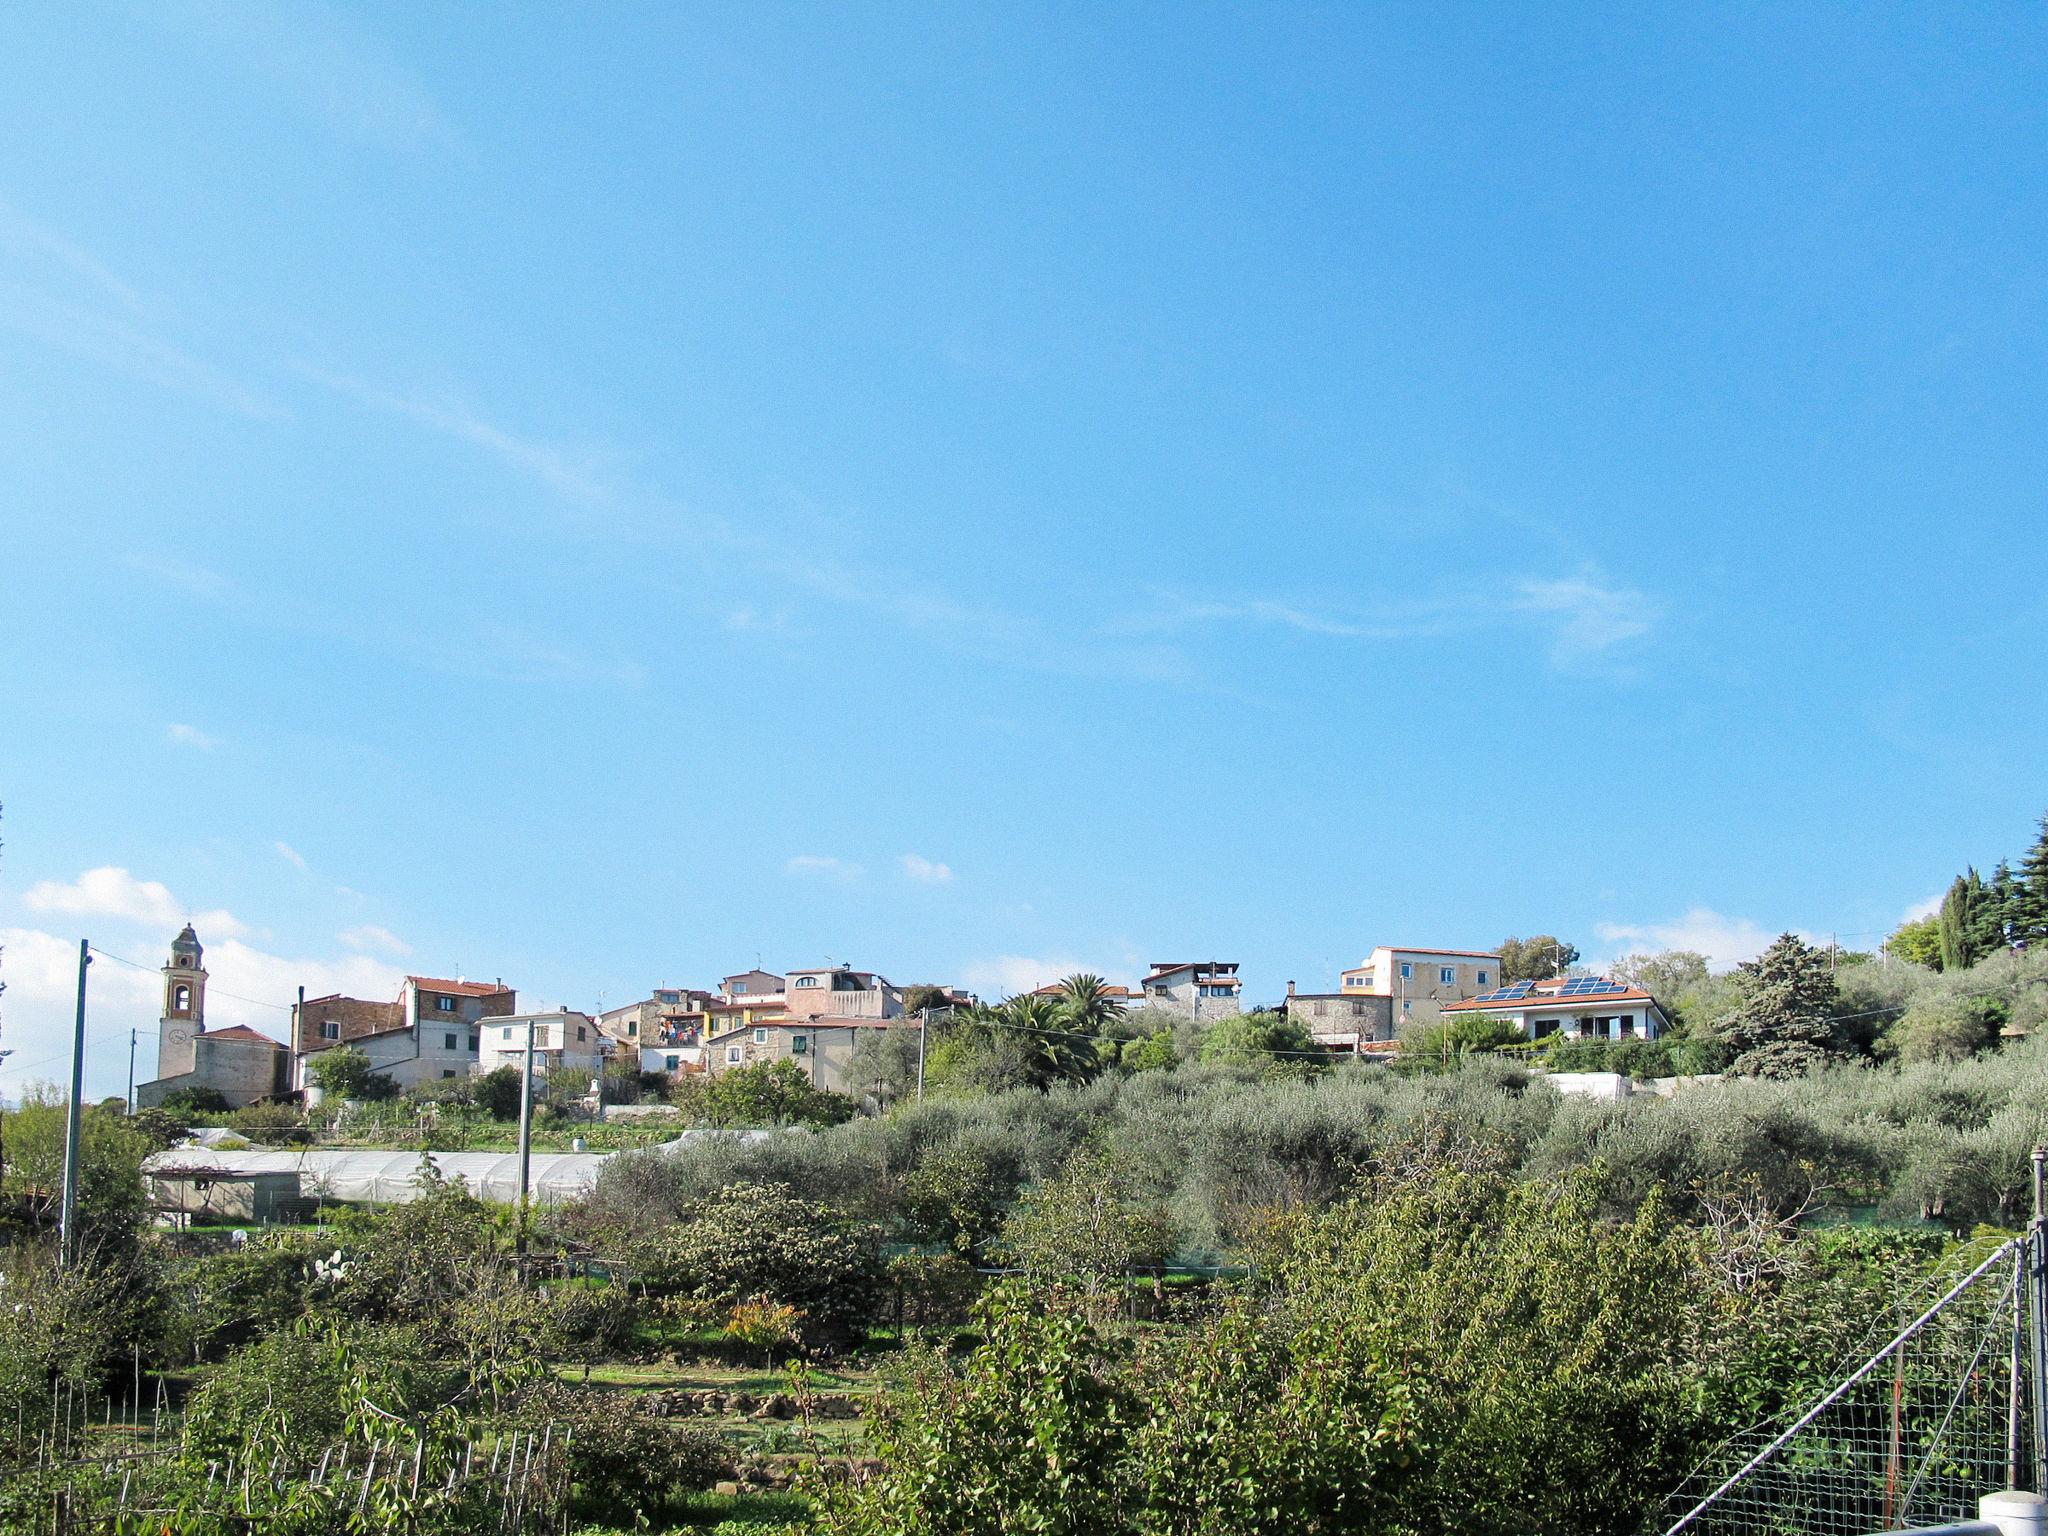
pixel 2037 1301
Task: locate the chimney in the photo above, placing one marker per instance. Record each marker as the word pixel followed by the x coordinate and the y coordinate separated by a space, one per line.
pixel 1290 989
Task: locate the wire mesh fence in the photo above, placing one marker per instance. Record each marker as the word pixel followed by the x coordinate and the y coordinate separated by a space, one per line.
pixel 1913 1435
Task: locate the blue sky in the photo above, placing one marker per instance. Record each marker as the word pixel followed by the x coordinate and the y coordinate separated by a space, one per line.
pixel 594 497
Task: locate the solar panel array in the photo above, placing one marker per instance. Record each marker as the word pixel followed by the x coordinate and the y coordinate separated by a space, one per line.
pixel 1508 993
pixel 1590 986
pixel 1578 986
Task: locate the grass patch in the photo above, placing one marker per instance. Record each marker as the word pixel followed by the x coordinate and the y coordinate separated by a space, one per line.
pixel 703 1511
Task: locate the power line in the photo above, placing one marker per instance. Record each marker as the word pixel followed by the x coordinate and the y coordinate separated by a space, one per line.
pixel 254 1002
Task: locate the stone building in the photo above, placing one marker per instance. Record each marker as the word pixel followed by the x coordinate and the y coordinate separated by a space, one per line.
pixel 429 1031
pixel 1342 1021
pixel 1201 989
pixel 241 1064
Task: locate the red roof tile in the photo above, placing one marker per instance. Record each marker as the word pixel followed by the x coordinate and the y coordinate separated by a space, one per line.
pixel 1548 995
pixel 240 1032
pixel 461 988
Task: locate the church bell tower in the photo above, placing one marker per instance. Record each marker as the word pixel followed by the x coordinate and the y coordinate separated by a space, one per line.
pixel 184 1005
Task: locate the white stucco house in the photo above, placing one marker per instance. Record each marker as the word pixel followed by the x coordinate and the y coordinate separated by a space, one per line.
pixel 1577 1007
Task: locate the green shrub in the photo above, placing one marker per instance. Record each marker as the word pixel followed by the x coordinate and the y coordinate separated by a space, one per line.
pixel 752 1242
pixel 626 1464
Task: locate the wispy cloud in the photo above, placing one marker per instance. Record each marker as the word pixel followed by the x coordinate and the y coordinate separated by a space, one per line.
pixel 290 855
pixel 322 59
pixel 180 735
pixel 55 291
pixel 574 475
pixel 489 650
pixel 1585 618
pixel 113 893
pixel 374 939
pixel 822 865
pixel 925 871
pixel 1580 619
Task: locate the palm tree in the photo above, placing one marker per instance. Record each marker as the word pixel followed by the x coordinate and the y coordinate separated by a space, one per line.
pixel 1085 1000
pixel 1060 1052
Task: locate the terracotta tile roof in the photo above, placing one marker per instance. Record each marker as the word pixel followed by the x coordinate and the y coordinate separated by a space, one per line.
pixel 1548 994
pixel 460 988
pixel 241 1032
pixel 1403 949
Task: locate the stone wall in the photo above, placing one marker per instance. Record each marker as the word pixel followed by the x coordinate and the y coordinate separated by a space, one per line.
pixel 354 1017
pixel 241 1071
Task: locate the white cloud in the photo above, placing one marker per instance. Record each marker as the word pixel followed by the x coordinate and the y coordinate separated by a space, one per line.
pixel 112 892
pixel 371 937
pixel 1586 618
pixel 190 736
pixel 925 871
pixel 1723 940
pixel 822 864
pixel 1925 907
pixel 1008 975
pixel 244 986
pixel 290 855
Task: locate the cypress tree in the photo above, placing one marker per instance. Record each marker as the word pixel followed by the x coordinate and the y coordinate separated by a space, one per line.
pixel 1961 922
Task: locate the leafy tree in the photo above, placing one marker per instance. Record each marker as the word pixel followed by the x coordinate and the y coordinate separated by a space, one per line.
pixel 413 1263
pixel 1458 1034
pixel 1536 957
pixel 196 1103
pixel 110 1154
pixel 1666 976
pixel 625 1462
pixel 974 1056
pixel 1947 1028
pixel 1153 1053
pixel 497 1093
pixel 772 1093
pixel 1030 1433
pixel 1784 1025
pixel 1273 1042
pixel 344 1072
pixel 956 1196
pixel 221 1301
pixel 1917 941
pixel 760 1242
pixel 917 999
pixel 69 1324
pixel 884 1061
pixel 1089 1225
